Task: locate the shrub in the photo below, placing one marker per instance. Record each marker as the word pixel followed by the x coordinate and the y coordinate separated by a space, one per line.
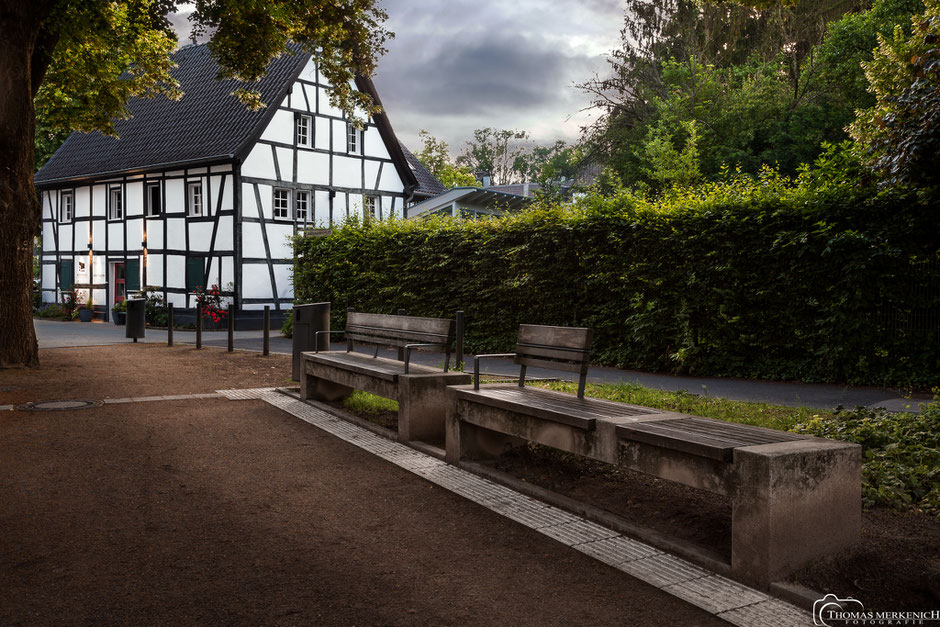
pixel 901 463
pixel 768 278
pixel 287 328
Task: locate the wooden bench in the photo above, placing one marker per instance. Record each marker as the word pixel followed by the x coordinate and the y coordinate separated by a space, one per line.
pixel 419 389
pixel 794 498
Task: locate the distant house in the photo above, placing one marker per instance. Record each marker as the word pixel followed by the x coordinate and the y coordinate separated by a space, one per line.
pixel 204 191
pixel 468 202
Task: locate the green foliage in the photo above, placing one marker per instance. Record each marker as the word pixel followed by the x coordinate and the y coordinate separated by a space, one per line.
pixel 436 158
pixel 119 307
pixel 500 153
pixel 764 277
pixel 155 310
pixel 902 131
pixel 901 464
pixel 287 327
pixel 360 402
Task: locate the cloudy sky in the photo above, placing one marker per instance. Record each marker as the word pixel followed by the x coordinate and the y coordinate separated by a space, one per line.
pixel 458 65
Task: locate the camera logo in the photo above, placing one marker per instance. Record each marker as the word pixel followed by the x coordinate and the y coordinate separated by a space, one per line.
pixel 831 607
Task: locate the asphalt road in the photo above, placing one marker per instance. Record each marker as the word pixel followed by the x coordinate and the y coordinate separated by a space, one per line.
pixel 55 334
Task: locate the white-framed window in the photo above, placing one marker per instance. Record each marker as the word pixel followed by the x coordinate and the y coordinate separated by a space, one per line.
pixel 153 200
pixel 115 203
pixel 194 204
pixel 301 206
pixel 282 204
pixel 370 206
pixel 352 139
pixel 302 127
pixel 66 206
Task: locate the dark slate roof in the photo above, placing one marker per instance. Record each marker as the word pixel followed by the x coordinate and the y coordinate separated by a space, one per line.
pixel 207 124
pixel 428 185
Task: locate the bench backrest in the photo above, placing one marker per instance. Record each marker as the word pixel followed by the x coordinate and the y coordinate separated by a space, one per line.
pixel 399 331
pixel 564 348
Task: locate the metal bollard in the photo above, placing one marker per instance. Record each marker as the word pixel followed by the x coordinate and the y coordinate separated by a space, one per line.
pixel 198 327
pixel 231 328
pixel 267 331
pixel 401 351
pixel 169 326
pixel 461 326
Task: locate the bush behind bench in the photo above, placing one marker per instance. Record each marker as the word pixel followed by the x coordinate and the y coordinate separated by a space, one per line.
pixel 768 281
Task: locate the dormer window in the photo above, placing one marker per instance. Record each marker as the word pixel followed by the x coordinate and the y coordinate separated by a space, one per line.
pixel 352 139
pixel 302 126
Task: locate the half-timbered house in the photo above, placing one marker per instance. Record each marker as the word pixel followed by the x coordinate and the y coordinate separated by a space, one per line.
pixel 204 191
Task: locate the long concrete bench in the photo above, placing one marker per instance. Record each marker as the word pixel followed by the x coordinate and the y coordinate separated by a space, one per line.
pixel 419 389
pixel 795 498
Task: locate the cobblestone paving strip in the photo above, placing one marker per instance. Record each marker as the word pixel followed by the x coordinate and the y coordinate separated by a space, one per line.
pixel 727 599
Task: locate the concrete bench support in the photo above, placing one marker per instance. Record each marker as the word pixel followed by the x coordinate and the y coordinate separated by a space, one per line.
pixel 793 502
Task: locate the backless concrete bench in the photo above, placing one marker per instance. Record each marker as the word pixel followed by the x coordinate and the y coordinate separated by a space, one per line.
pixel 794 498
pixel 419 390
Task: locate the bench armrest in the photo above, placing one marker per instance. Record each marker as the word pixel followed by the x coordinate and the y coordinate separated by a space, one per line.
pixel 316 339
pixel 476 366
pixel 408 348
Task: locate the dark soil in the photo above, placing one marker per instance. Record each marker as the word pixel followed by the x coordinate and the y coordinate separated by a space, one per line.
pixel 233 512
pixel 893 568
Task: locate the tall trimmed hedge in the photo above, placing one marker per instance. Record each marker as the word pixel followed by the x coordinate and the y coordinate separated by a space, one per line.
pixel 776 284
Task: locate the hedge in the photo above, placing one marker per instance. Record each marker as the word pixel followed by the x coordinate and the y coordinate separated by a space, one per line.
pixel 764 281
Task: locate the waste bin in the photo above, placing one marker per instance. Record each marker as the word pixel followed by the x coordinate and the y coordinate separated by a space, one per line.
pixel 308 319
pixel 136 318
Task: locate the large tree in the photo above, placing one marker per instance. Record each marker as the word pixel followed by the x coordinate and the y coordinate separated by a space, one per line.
pixel 81 60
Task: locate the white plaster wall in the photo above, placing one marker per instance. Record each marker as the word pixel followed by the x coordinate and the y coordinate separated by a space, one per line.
pixel 321 133
pixel 135 234
pixel 282 276
pixel 225 167
pixel 309 73
pixel 249 207
pixel 98 227
pixel 228 271
pixel 115 237
pixel 285 161
pixel 81 235
pixel 321 204
pixel 313 168
pixel 390 182
pixel 297 97
pixel 373 146
pixel 82 269
pixel 47 280
pixel 98 195
pixel 134 200
pixel 175 271
pixel 200 236
pixel 339 136
pixel 154 270
pixel 175 196
pixel 347 172
pixel 197 171
pixel 279 235
pixel 175 234
pixel 281 127
pixel 99 271
pixel 155 233
pixel 252 242
pixel 224 240
pixel 267 199
pixel 48 236
pixel 324 102
pixel 256 282
pixel 65 237
pixel 259 163
pixel 311 93
pixel 82 196
pixel 372 174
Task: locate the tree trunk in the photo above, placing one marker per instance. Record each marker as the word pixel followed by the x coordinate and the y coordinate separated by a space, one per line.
pixel 19 207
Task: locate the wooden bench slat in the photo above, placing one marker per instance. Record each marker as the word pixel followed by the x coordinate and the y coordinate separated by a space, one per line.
pixel 701 436
pixel 547 363
pixel 566 337
pixel 550 405
pixel 367 338
pixel 550 352
pixel 415 336
pixel 379 367
pixel 440 326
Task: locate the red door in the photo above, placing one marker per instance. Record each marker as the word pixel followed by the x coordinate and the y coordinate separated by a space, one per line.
pixel 118 282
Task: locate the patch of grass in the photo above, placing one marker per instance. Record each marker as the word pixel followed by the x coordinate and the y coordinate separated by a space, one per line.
pixel 360 402
pixel 759 414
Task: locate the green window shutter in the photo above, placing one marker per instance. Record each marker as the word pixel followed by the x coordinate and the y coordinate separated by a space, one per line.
pixel 132 276
pixel 66 275
pixel 195 273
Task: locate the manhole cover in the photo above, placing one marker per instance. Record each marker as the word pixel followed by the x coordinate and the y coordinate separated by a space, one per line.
pixel 69 404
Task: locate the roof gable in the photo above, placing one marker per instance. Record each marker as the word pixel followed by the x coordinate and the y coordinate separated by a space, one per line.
pixel 207 124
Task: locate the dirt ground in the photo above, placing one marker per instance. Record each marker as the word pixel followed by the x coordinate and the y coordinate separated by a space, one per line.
pixel 232 512
pixel 895 567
